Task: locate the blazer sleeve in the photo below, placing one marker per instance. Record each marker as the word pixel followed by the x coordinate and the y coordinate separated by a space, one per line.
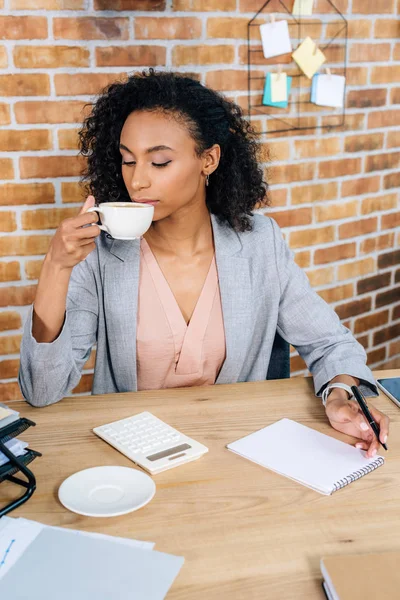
pixel 308 323
pixel 50 371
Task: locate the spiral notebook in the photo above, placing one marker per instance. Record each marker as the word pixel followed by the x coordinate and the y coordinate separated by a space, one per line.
pixel 309 457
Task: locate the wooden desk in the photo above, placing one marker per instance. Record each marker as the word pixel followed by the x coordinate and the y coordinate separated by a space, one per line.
pixel 245 532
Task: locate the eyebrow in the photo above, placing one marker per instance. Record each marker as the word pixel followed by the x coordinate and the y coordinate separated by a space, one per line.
pixel 149 150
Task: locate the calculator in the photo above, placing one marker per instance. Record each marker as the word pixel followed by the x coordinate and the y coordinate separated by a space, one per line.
pixel 150 443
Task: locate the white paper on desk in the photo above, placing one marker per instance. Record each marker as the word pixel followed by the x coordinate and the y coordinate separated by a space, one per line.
pixel 309 457
pixel 15 538
pixel 17 447
pixel 64 567
pixel 275 39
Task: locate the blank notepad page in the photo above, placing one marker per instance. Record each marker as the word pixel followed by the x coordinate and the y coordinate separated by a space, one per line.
pixel 305 455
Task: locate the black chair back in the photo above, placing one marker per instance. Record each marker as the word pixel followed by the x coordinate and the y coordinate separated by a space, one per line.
pixel 279 365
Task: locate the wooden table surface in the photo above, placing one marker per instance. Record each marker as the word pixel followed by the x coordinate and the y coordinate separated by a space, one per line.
pixel 245 532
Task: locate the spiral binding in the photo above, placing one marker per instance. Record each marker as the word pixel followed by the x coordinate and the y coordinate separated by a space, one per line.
pixel 357 474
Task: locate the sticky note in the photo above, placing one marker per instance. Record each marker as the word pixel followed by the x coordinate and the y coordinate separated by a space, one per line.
pixel 278 87
pixel 267 100
pixel 275 38
pixel 329 90
pixel 4 412
pixel 303 8
pixel 308 60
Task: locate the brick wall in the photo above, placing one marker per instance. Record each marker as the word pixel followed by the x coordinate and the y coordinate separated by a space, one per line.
pixel 336 194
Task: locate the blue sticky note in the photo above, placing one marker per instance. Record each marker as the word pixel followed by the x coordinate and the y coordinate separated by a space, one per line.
pixel 314 86
pixel 267 93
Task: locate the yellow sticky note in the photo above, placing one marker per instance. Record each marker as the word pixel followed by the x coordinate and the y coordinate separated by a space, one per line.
pixel 308 60
pixel 278 87
pixel 303 8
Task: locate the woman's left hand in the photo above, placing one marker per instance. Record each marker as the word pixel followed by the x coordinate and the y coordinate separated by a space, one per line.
pixel 346 416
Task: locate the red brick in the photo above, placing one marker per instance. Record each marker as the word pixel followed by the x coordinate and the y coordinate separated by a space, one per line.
pixel 387 335
pixel 84 83
pixel 377 7
pixel 303 258
pixel 7 221
pixel 22 193
pixel 314 193
pixel 204 5
pixel 370 52
pixel 227 27
pixel 331 212
pixel 10 391
pixel 33 268
pixel 17 295
pixel 47 4
pixel 317 148
pixel 385 118
pixel 322 276
pixel 339 168
pixel 50 57
pixel 395 96
pixel 50 166
pixel 376 355
pixel 362 143
pixel 89 364
pixel 129 5
pixel 385 74
pixel 167 28
pixel 390 220
pixel 322 6
pixel 370 284
pixel 24 245
pixel 203 55
pixel 394 349
pixel 4 114
pixel 391 180
pixel 356 76
pixel 380 162
pixel 363 185
pixel 353 308
pixel 360 227
pixel 9 344
pixel 18 84
pixel 337 293
pixel 9 271
pixel 274 151
pixel 387 28
pixel 46 218
pixel 310 237
pixel 373 244
pixel 389 259
pixel 335 253
pixel 130 56
pixel 371 321
pixel 91 28
pixel 3 58
pixel 356 29
pixel 366 98
pixel 356 269
pixel 389 297
pixel 70 111
pixel 293 218
pixel 9 368
pixel 377 203
pixel 20 140
pixel 10 320
pixel 227 80
pixel 297 364
pixel 23 28
pixel 278 197
pixel 84 385
pixel 68 139
pixel 6 168
pixel 72 191
pixel 291 172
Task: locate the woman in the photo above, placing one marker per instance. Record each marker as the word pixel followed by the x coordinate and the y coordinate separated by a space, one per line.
pixel 198 300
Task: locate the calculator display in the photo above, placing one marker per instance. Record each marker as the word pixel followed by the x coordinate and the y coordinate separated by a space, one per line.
pixel 168 452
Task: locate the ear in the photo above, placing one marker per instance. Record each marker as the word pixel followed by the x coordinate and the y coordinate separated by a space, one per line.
pixel 211 158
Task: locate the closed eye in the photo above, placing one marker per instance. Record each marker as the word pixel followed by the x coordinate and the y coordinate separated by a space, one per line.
pixel 132 162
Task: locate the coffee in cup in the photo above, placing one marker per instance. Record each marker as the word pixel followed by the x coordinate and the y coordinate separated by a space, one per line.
pixel 124 220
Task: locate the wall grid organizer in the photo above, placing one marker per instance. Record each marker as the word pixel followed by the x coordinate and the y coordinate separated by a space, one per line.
pixel 300 113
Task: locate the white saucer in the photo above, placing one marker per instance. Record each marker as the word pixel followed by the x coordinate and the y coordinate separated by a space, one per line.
pixel 106 491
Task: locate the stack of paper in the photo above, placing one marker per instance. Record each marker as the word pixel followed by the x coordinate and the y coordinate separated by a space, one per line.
pixel 17 447
pixel 7 415
pixel 41 562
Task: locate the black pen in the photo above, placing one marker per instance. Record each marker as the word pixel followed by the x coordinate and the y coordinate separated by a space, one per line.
pixel 363 405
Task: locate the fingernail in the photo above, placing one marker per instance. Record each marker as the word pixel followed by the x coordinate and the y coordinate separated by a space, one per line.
pixel 359 445
pixel 385 439
pixel 373 452
pixel 364 426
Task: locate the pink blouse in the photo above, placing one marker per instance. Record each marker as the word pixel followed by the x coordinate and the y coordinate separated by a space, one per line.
pixel 171 353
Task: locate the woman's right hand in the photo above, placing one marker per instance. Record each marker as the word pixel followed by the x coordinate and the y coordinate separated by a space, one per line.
pixel 72 242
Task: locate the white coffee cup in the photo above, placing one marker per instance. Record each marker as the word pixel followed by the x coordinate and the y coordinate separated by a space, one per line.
pixel 124 220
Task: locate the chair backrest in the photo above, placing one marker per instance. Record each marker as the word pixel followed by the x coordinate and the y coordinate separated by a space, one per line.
pixel 279 365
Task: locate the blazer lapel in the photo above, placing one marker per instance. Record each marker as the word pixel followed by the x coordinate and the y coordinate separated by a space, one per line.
pixel 236 293
pixel 121 285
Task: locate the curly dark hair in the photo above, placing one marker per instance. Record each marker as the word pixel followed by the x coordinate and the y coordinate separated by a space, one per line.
pixel 235 188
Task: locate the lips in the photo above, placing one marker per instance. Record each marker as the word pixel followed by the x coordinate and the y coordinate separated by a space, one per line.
pixel 145 201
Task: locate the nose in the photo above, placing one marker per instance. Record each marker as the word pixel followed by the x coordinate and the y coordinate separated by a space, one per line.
pixel 140 179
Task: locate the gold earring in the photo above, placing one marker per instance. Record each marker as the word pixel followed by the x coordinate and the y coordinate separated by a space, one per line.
pixel 207 179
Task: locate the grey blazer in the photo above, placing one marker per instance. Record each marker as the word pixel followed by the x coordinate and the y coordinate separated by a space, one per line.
pixel 262 291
